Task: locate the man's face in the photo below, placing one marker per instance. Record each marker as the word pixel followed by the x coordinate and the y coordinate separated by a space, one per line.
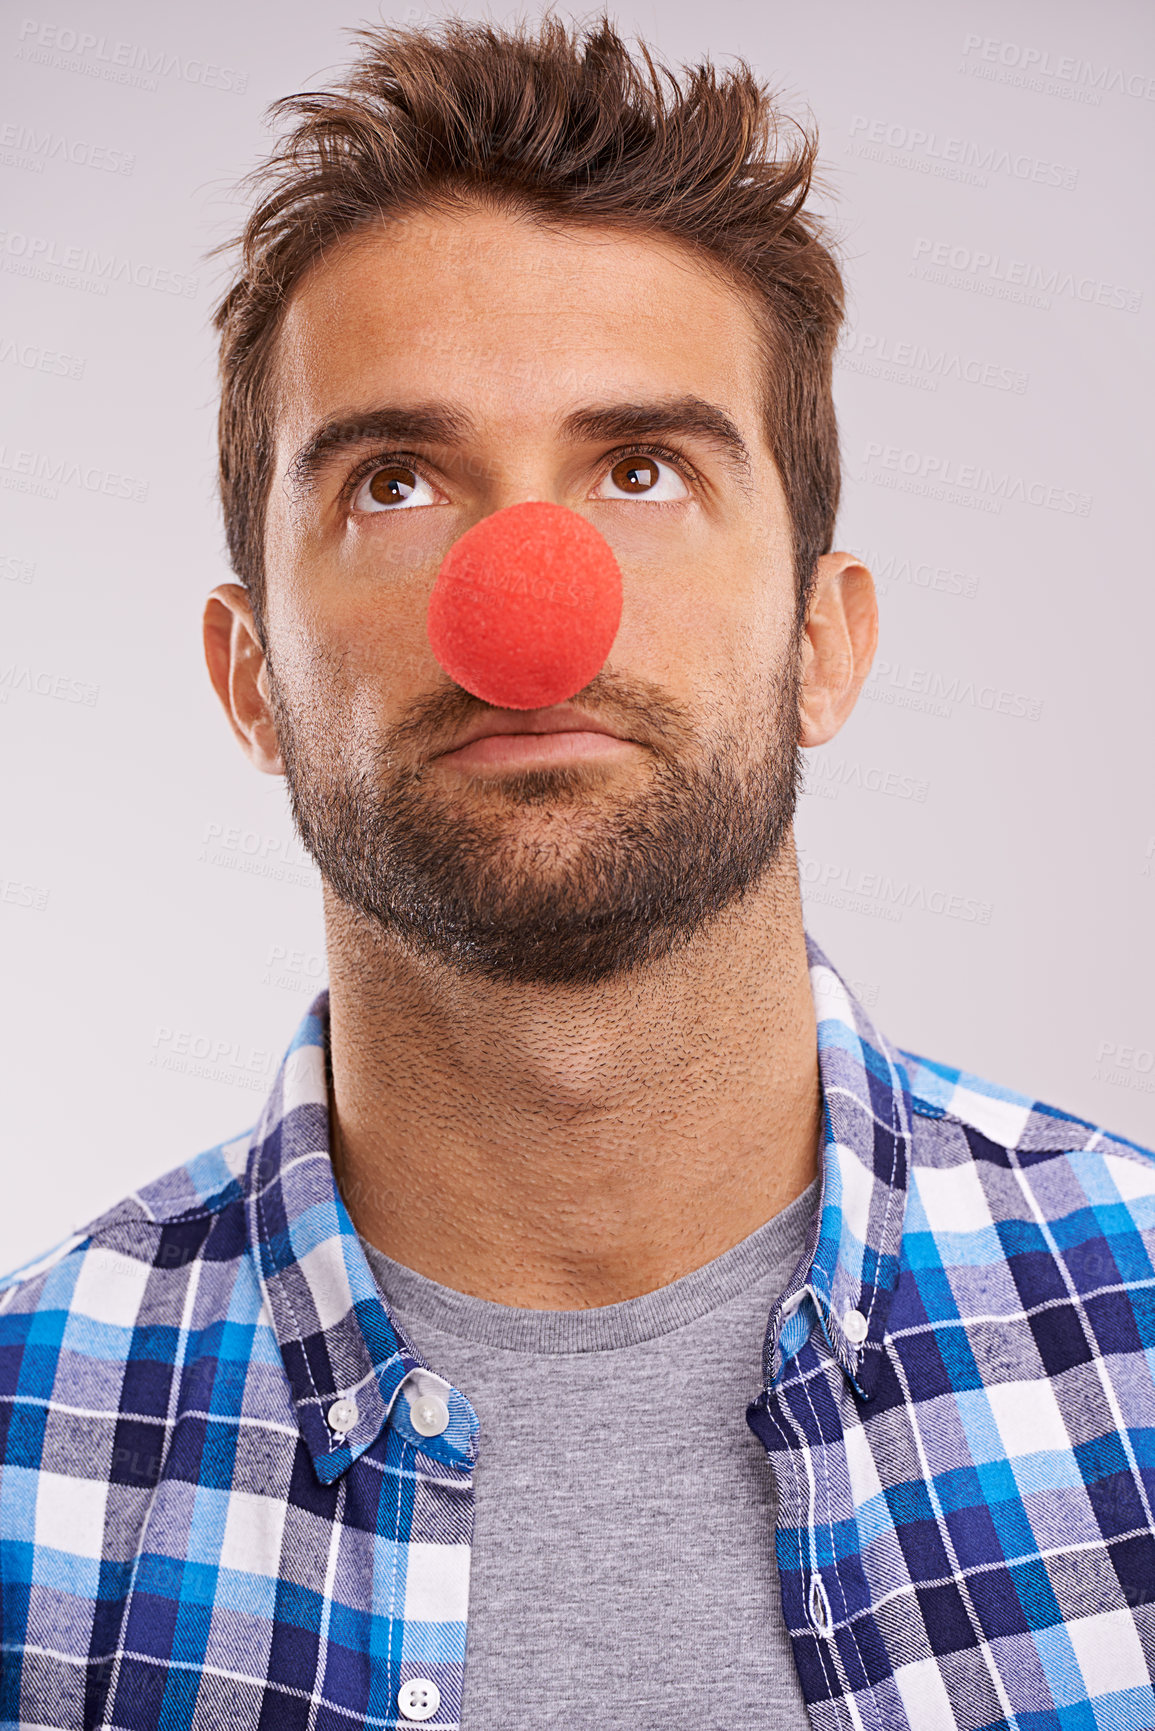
pixel 435 372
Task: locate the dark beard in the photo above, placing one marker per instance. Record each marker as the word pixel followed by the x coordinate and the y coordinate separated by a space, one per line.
pixel 632 878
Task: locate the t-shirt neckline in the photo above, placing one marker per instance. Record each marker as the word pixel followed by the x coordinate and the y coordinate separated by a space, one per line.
pixel 771 1249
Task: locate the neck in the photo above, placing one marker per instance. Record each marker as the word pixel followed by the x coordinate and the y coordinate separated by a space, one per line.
pixel 556 1148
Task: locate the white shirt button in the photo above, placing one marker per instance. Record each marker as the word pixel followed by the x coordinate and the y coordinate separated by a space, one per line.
pixel 342 1416
pixel 855 1327
pixel 430 1416
pixel 419 1698
pixel 819 1606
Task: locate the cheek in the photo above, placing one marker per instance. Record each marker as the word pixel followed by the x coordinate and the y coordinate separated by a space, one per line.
pixel 347 617
pixel 395 555
pixel 350 658
pixel 707 623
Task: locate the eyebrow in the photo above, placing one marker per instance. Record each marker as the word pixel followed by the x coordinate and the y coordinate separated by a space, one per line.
pixel 441 424
pixel 424 424
pixel 684 415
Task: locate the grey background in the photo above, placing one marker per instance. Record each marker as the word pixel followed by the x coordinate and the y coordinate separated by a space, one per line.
pixel 979 844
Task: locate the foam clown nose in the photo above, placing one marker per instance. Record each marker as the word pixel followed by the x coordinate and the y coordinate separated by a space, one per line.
pixel 526 606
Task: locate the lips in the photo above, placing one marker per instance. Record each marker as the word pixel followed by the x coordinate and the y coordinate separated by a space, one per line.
pixel 524 750
pixel 562 719
pixel 549 736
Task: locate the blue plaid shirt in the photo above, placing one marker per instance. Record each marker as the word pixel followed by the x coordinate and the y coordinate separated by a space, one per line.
pixel 216 1507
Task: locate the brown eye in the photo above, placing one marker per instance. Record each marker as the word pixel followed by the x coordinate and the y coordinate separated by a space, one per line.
pixel 392 488
pixel 635 474
pixel 392 485
pixel 645 478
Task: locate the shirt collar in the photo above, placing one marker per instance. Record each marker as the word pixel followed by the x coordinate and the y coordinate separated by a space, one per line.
pixel 850 1265
pixel 344 1356
pixel 340 1344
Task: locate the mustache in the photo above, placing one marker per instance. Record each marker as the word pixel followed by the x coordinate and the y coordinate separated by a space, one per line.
pixel 636 708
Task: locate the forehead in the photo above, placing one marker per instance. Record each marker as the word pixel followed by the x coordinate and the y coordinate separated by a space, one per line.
pixel 514 319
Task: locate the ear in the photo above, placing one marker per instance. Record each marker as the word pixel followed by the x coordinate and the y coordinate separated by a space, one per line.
pixel 838 645
pixel 240 675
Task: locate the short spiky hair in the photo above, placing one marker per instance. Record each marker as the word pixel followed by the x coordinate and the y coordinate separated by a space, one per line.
pixel 564 124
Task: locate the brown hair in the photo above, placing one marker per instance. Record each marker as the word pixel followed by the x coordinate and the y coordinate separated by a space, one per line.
pixel 566 125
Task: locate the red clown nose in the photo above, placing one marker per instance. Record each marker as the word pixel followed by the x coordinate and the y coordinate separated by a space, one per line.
pixel 526 606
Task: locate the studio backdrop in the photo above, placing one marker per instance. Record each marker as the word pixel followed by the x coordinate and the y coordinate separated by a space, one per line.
pixel 977 846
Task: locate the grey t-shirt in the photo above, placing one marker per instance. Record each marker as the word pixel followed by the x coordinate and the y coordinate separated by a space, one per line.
pixel 623 1574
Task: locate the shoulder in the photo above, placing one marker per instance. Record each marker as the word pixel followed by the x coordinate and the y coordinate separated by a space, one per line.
pixel 102 1273
pixel 1004 1118
pixel 1017 1147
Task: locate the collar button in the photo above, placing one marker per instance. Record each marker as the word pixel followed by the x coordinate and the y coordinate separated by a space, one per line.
pixel 342 1416
pixel 429 1415
pixel 855 1327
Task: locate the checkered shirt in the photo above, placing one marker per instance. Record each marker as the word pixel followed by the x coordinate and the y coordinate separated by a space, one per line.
pixel 216 1507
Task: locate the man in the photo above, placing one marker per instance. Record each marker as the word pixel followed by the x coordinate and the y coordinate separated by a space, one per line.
pixel 596 1278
